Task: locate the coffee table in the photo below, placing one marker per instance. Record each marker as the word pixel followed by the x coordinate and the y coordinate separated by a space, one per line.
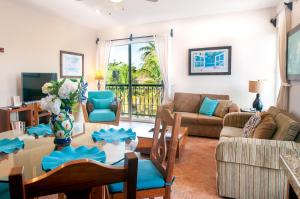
pixel 146 138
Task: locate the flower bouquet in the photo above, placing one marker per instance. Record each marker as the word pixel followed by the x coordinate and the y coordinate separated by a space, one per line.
pixel 62 97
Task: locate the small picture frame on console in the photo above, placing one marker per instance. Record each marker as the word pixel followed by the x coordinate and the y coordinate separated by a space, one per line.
pixel 210 61
pixel 71 65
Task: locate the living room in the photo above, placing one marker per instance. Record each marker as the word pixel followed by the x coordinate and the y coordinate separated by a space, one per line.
pixel 111 40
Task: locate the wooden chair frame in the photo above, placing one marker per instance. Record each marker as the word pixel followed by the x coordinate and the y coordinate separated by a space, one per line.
pixel 163 159
pixel 75 179
pixel 115 123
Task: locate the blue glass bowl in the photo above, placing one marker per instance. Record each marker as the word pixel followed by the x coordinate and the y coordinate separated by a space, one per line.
pixel 69 153
pixel 11 145
pixel 114 135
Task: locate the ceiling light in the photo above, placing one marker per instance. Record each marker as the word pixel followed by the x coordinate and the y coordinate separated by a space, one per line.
pixel 97 11
pixel 116 1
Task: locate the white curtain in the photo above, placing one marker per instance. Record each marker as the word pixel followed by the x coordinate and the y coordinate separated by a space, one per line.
pixel 283 26
pixel 163 46
pixel 102 59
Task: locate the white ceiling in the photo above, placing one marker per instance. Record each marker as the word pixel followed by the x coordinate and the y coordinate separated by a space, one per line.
pixel 141 11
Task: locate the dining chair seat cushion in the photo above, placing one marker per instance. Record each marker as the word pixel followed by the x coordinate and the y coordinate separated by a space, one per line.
pixel 4 190
pixel 148 177
pixel 102 115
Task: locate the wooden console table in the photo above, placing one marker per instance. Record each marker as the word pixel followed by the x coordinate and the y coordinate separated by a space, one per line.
pixel 25 114
pixel 31 114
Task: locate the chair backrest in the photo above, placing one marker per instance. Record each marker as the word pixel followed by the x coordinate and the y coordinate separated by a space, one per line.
pixel 75 179
pixel 101 95
pixel 163 156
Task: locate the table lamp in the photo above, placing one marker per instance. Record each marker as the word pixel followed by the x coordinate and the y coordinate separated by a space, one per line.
pixel 99 76
pixel 256 87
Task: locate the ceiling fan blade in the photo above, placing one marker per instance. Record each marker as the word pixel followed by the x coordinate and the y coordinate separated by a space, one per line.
pixel 152 0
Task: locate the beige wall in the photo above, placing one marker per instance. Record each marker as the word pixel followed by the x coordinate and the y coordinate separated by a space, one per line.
pixel 32 41
pixel 251 36
pixel 295 89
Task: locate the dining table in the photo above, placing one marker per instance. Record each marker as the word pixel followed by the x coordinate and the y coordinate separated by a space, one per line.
pixel 35 148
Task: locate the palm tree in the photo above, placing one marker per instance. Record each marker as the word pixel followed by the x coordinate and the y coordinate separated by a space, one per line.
pixel 150 67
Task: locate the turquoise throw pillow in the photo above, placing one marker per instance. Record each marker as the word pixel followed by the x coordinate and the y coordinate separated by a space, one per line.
pixel 101 103
pixel 208 106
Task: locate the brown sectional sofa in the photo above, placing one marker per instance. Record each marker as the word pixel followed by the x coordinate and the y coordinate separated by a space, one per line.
pixel 188 105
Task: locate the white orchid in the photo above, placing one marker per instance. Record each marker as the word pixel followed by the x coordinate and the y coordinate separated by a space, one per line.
pixel 67 88
pixel 47 87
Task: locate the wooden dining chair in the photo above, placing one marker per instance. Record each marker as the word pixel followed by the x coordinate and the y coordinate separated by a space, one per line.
pixel 75 179
pixel 155 176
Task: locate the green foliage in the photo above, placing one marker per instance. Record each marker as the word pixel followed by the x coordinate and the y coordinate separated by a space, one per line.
pixel 147 73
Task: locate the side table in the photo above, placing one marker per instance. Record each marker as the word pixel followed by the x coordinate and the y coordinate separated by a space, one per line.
pixel 146 138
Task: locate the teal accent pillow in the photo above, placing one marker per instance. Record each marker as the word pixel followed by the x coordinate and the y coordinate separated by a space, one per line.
pixel 208 106
pixel 101 103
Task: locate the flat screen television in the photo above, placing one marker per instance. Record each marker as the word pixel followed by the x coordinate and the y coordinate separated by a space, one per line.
pixel 293 54
pixel 32 85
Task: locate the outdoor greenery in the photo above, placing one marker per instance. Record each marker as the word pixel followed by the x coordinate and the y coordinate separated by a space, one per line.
pixel 147 73
pixel 145 99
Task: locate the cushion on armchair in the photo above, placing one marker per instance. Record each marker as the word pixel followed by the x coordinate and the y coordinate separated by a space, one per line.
pixel 266 127
pixel 102 115
pixel 250 126
pixel 287 128
pixel 101 103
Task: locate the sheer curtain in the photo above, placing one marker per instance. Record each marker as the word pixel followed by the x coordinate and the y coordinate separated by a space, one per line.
pixel 283 26
pixel 102 59
pixel 163 47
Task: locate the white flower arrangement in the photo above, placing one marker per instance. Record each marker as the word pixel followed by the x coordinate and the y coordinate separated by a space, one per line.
pixel 63 95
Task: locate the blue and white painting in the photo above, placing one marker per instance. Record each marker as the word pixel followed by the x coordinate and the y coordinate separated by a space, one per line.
pixel 210 60
pixel 72 65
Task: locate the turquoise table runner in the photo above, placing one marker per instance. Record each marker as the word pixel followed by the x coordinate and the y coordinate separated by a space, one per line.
pixel 69 153
pixel 11 145
pixel 40 130
pixel 114 135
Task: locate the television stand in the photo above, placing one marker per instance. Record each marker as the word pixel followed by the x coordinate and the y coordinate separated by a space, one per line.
pixel 31 114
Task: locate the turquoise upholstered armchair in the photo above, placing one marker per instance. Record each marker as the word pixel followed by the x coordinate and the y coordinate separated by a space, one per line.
pixel 102 107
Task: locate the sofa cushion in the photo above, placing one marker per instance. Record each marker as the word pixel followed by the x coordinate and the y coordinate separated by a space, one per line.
pixel 186 102
pixel 208 106
pixel 102 115
pixel 266 128
pixel 250 126
pixel 188 118
pixel 229 131
pixel 210 120
pixel 212 96
pixel 222 108
pixel 287 128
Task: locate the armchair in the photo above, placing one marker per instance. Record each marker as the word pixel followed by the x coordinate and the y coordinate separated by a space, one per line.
pixel 102 107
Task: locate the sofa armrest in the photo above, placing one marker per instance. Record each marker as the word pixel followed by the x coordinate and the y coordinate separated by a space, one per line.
pixel 236 119
pixel 255 152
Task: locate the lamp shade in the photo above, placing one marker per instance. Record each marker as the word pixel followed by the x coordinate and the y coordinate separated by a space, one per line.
pixel 255 86
pixel 99 75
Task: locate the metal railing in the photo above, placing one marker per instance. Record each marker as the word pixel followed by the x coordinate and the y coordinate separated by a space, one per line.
pixel 145 98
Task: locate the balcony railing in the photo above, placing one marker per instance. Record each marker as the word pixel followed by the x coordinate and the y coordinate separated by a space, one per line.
pixel 145 98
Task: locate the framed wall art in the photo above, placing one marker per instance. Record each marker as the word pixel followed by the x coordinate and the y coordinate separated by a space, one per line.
pixel 210 61
pixel 71 64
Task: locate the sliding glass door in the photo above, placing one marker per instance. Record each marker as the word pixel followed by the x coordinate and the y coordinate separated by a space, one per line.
pixel 134 75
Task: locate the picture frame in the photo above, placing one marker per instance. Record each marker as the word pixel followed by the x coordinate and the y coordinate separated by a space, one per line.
pixel 71 64
pixel 210 61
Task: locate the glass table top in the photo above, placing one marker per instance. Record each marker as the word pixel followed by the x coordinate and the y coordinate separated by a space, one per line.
pixel 36 148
